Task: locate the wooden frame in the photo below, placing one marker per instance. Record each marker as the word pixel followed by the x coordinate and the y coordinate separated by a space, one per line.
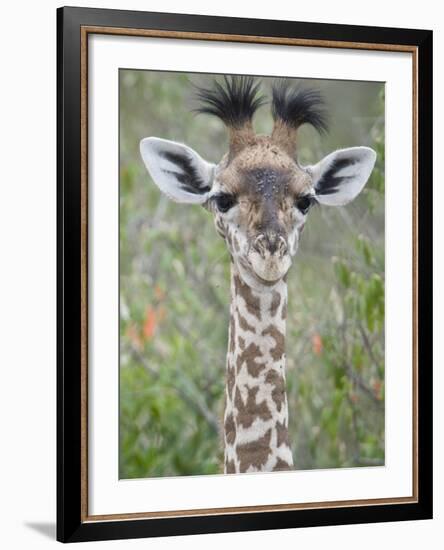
pixel 73 521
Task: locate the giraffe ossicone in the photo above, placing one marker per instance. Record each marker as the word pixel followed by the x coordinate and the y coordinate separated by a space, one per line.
pixel 259 196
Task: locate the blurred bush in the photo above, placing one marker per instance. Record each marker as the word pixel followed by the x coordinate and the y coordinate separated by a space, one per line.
pixel 174 295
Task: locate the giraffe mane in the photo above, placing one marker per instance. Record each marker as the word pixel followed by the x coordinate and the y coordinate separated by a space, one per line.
pixel 295 106
pixel 234 100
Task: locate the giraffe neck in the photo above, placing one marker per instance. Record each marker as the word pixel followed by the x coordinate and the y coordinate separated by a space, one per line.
pixel 256 411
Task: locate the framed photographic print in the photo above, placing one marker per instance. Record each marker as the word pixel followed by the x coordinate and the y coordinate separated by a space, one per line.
pixel 244 274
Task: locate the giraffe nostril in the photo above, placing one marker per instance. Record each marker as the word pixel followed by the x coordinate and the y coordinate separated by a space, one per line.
pixel 272 244
pixel 282 246
pixel 276 244
pixel 260 245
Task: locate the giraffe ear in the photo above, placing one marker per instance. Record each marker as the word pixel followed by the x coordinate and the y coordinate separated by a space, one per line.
pixel 178 171
pixel 340 176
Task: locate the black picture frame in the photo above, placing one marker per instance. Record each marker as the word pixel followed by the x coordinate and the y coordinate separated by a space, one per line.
pixel 72 524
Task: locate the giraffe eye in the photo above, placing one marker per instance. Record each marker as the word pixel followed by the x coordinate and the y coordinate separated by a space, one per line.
pixel 303 203
pixel 224 202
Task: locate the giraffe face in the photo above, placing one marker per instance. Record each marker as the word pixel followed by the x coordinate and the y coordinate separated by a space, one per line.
pixel 260 197
pixel 260 201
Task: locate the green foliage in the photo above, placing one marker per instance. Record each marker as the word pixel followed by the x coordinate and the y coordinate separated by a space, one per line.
pixel 174 296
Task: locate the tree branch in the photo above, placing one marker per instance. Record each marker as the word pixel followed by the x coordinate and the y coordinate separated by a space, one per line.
pixel 361 384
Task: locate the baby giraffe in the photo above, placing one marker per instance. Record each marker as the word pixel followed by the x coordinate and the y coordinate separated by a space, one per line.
pixel 259 196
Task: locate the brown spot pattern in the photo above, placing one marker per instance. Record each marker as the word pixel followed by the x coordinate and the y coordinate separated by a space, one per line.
pixel 230 467
pixel 281 465
pixel 230 429
pixel 220 227
pixel 241 342
pixel 275 301
pixel 243 323
pixel 278 351
pixel 278 393
pixel 249 356
pixel 252 302
pixel 231 378
pixel 254 453
pixel 232 333
pixel 248 412
pixel 284 311
pixel 282 435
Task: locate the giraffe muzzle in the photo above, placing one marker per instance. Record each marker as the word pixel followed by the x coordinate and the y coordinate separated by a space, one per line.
pixel 268 257
pixel 268 245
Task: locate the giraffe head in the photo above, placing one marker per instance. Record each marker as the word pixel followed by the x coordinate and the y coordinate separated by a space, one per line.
pixel 259 194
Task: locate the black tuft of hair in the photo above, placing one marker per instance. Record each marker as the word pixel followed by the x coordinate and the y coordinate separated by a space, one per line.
pixel 295 106
pixel 234 101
